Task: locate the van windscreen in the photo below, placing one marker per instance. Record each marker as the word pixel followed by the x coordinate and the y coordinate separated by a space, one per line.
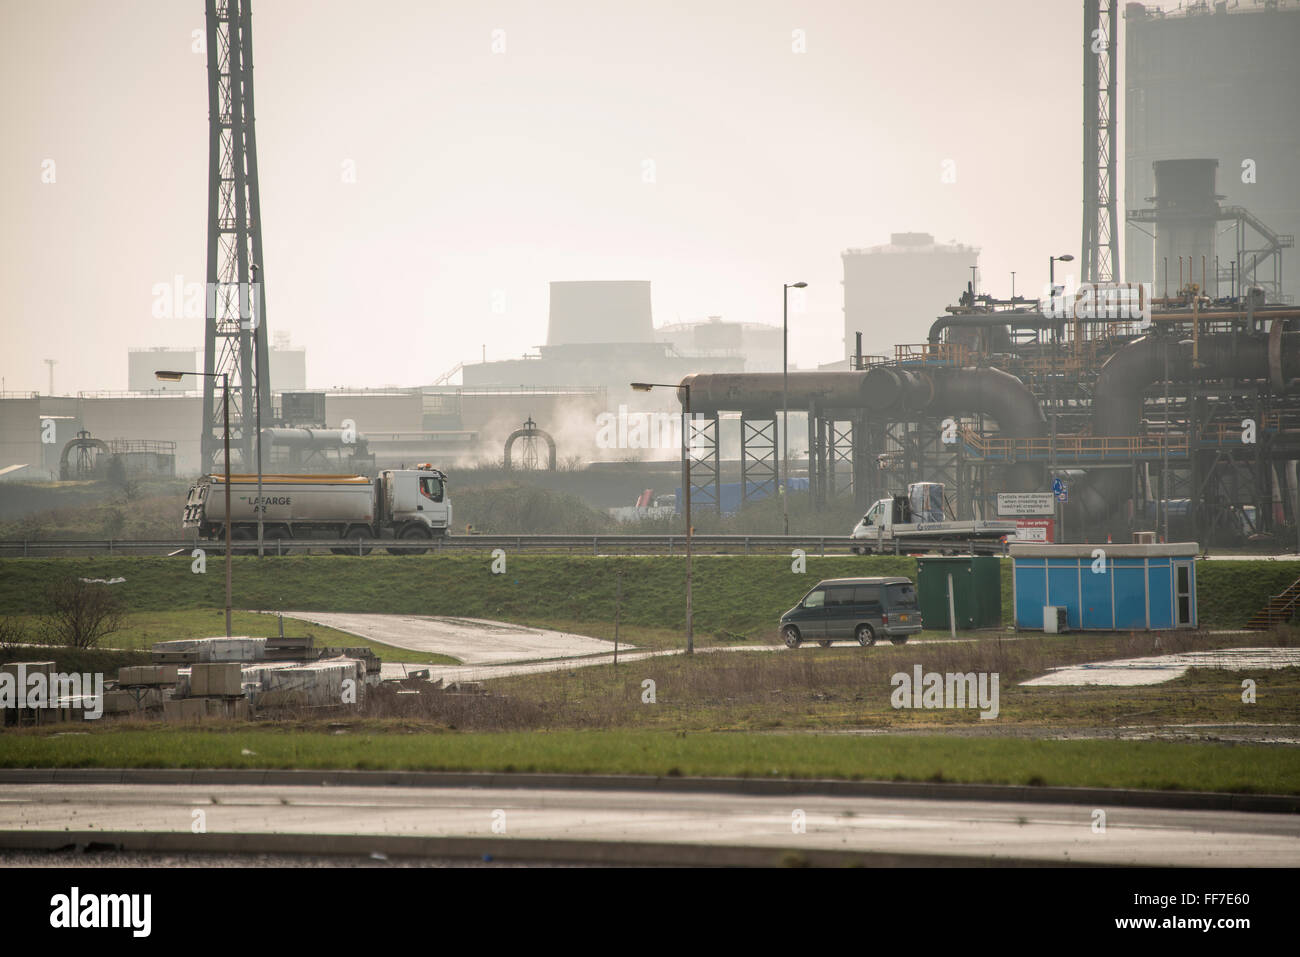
pixel 903 594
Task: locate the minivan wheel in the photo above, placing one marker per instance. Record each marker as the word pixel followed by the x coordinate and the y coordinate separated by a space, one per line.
pixel 866 635
pixel 790 635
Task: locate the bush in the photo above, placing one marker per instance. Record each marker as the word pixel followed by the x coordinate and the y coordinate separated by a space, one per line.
pixel 79 613
pixel 12 634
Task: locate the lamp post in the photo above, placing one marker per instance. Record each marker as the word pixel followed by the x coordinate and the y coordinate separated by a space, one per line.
pixel 257 413
pixel 785 400
pixel 685 390
pixel 168 376
pixel 1051 380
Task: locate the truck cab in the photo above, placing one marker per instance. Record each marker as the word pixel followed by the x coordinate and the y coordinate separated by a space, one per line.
pixel 881 518
pixel 417 496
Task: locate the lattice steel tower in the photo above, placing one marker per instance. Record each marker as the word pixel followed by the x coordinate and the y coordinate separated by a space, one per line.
pixel 235 340
pixel 1100 249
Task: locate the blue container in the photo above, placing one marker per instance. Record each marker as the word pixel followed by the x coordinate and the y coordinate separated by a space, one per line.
pixel 1107 587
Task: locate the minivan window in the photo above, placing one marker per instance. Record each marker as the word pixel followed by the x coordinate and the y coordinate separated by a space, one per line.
pixel 866 595
pixel 839 597
pixel 902 594
pixel 815 599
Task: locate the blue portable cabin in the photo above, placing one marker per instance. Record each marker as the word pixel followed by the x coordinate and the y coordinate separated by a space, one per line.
pixel 1137 588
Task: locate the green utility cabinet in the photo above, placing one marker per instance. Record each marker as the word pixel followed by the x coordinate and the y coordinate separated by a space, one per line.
pixel 976 591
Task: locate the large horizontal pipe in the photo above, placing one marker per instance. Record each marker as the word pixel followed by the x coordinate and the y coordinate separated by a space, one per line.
pixel 991 392
pixel 887 393
pixel 1126 375
pixel 311 438
pixel 760 393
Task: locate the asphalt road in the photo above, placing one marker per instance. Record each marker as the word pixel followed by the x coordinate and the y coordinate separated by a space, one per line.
pixel 975 829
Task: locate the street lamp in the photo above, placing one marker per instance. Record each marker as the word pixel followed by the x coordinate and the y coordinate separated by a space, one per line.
pixel 785 400
pixel 257 414
pixel 1051 382
pixel 169 376
pixel 685 390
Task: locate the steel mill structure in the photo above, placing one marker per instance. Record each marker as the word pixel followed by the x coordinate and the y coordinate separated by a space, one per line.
pixel 1198 408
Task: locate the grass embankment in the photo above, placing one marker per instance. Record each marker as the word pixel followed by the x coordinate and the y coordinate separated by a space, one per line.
pixel 736 597
pixel 1116 764
pixel 733 597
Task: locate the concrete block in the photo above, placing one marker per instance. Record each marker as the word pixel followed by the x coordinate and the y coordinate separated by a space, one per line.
pixel 147 675
pixel 214 649
pixel 317 684
pixel 224 678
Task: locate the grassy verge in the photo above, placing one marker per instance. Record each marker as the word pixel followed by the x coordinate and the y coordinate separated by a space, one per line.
pixel 1115 764
pixel 733 596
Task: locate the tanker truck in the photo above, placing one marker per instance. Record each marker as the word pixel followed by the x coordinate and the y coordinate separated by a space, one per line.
pixel 410 505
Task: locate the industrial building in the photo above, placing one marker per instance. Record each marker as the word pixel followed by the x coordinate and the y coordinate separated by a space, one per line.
pixel 142 363
pixel 757 344
pixel 304 429
pixel 1215 82
pixel 602 334
pixel 892 292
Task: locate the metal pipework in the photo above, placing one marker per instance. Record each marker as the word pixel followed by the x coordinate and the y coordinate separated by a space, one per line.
pixel 884 391
pixel 993 321
pixel 1126 375
pixel 310 438
pixel 760 393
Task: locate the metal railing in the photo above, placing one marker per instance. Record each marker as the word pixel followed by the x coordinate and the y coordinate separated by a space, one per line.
pixel 1231 432
pixel 1076 447
pixel 935 353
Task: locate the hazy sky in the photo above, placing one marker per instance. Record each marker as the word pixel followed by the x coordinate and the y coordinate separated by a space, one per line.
pixel 478 172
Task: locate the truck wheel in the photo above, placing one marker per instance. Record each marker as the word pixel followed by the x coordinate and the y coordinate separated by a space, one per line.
pixel 242 535
pixel 790 635
pixel 412 534
pixel 354 536
pixel 866 635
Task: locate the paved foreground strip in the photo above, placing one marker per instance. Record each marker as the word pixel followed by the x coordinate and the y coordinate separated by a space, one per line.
pixel 978 831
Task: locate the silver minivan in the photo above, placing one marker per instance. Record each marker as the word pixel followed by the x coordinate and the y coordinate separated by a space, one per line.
pixel 862 609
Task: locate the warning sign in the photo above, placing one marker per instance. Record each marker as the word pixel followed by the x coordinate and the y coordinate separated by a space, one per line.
pixel 1035 530
pixel 1025 503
